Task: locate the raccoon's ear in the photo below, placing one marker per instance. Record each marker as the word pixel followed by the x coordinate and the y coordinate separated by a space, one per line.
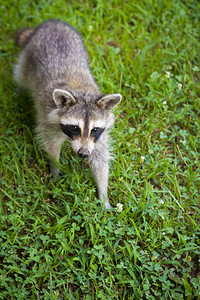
pixel 109 101
pixel 63 98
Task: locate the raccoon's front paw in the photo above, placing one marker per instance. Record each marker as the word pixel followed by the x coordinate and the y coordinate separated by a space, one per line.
pixel 105 203
pixel 107 206
pixel 55 171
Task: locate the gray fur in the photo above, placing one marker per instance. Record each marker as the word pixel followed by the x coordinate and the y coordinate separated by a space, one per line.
pixel 54 66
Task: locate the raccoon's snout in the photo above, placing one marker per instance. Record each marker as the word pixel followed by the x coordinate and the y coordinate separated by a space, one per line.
pixel 84 153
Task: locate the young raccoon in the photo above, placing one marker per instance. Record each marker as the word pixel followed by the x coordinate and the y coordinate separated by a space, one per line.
pixel 54 66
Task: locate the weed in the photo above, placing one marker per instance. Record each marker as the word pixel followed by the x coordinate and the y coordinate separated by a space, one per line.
pixel 56 241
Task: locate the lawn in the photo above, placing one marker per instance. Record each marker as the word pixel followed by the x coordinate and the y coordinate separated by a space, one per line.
pixel 56 241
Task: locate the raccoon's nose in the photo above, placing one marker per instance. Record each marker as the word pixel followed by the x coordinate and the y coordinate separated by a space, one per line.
pixel 84 153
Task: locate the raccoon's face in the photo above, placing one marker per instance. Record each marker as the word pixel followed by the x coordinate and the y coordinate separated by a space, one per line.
pixel 84 123
pixel 83 139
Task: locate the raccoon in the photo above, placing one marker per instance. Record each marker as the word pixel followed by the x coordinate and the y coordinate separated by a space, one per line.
pixel 54 66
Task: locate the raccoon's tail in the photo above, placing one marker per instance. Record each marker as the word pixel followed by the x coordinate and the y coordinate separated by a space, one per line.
pixel 22 36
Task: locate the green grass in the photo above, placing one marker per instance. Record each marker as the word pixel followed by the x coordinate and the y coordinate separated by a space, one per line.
pixel 56 242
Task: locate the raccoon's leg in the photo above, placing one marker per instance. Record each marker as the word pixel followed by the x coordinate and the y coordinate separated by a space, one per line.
pixel 99 163
pixel 54 151
pixel 52 143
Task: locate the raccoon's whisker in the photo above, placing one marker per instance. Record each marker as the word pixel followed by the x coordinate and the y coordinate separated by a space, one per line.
pixel 69 139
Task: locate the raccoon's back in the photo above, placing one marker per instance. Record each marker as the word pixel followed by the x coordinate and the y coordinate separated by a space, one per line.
pixel 54 56
pixel 58 38
pixel 53 46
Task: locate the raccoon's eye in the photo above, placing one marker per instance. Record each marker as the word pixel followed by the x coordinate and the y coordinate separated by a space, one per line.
pixel 95 129
pixel 70 130
pixel 74 129
pixel 96 133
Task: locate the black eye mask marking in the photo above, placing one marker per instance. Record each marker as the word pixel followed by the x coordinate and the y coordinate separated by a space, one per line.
pixel 70 130
pixel 96 133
